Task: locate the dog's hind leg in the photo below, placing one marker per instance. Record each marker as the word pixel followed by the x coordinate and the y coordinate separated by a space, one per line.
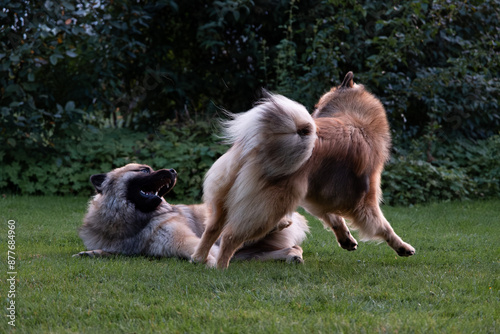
pixel 229 245
pixel 215 224
pixel 373 225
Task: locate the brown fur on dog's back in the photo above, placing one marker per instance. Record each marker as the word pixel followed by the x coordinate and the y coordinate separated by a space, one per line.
pixel 352 147
pixel 346 165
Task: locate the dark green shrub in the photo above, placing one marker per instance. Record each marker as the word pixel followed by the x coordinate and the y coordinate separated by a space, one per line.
pixel 466 169
pixel 407 181
pixel 65 169
pixel 69 69
pixel 147 61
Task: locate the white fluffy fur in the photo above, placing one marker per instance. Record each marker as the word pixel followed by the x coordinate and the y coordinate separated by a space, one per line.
pixel 258 180
pixel 253 129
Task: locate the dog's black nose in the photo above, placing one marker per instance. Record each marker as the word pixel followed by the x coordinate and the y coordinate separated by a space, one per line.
pixel 173 171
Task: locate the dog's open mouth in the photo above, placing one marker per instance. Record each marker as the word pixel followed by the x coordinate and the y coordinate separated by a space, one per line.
pixel 146 188
pixel 159 189
pixel 149 194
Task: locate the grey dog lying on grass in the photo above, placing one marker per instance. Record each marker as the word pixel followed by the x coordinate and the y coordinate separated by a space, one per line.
pixel 129 216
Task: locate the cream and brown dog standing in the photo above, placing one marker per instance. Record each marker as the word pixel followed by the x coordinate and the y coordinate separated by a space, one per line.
pixel 260 179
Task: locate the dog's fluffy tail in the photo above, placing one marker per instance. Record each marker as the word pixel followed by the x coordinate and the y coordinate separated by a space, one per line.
pixel 250 129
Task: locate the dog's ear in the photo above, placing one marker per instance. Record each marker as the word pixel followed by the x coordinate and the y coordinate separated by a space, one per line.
pixel 348 80
pixel 97 180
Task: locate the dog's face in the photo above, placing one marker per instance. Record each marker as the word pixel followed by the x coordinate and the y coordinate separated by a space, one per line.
pixel 139 184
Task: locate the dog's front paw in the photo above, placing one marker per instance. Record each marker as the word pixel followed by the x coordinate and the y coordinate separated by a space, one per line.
pixel 93 253
pixel 197 259
pixel 345 239
pixel 349 244
pixel 211 262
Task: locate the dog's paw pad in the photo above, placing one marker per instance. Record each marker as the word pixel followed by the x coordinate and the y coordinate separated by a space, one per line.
pixel 295 259
pixel 406 251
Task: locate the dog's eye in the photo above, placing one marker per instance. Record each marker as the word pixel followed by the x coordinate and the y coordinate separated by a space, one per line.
pixel 145 170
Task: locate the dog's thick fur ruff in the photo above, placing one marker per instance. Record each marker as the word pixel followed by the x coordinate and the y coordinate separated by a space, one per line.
pixel 346 166
pixel 129 216
pixel 260 179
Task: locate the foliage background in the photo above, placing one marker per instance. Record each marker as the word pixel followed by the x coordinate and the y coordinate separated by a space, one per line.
pixel 88 86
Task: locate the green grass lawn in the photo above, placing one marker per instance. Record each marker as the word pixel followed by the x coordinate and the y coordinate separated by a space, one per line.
pixel 451 285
